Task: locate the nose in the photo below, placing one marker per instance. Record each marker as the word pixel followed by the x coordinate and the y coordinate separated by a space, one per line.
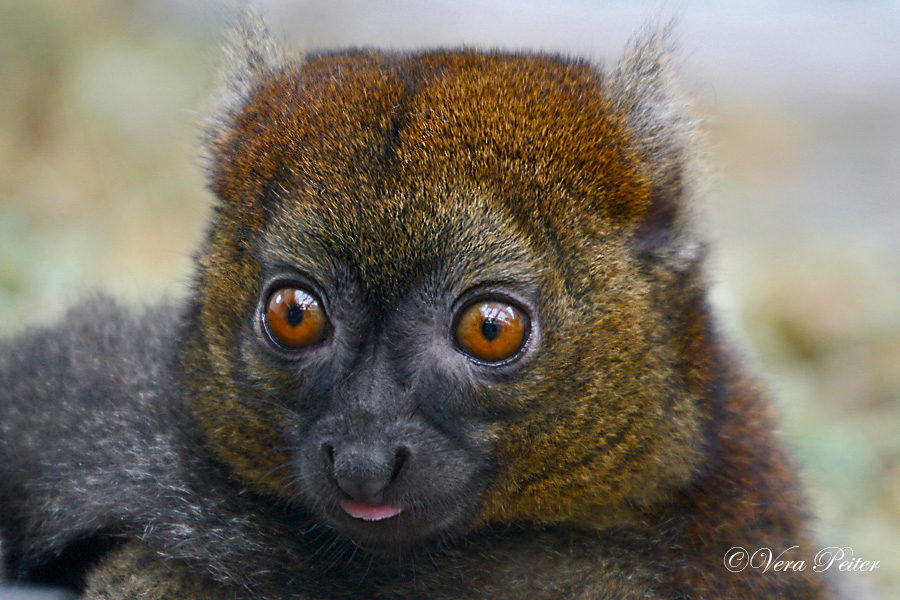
pixel 364 472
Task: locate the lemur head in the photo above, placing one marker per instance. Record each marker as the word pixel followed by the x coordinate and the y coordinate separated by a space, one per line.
pixel 448 289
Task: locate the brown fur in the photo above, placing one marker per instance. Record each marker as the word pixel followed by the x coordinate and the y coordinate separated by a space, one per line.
pixel 636 453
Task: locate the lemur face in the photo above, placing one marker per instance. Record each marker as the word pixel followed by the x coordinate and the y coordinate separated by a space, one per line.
pixel 422 291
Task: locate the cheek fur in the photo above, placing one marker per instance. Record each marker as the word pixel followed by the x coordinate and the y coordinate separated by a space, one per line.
pixel 608 421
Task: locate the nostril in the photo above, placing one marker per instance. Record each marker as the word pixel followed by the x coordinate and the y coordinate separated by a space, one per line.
pixel 400 458
pixel 328 455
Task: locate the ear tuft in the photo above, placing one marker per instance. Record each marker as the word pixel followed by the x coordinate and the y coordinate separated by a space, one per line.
pixel 664 138
pixel 252 56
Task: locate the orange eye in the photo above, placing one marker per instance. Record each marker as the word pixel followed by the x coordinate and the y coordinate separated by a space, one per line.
pixel 295 318
pixel 491 331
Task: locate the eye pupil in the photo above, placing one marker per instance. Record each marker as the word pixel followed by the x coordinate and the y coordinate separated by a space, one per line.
pixel 295 315
pixel 490 330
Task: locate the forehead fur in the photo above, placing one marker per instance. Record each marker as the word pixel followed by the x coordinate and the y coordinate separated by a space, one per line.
pixel 383 129
pixel 384 144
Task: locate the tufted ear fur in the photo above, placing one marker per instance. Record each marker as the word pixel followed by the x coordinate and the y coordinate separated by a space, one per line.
pixel 252 55
pixel 664 137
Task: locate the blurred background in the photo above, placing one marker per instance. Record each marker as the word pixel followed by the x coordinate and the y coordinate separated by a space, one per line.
pixel 101 103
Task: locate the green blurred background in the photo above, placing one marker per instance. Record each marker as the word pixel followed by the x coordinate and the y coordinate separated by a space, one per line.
pixel 101 187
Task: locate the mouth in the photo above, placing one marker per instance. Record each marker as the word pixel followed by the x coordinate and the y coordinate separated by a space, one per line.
pixel 388 528
pixel 370 512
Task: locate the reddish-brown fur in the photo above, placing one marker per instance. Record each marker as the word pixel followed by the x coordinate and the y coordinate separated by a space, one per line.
pixel 631 416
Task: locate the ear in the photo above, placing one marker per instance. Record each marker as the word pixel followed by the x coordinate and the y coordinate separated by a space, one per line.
pixel 664 138
pixel 252 56
pixel 253 59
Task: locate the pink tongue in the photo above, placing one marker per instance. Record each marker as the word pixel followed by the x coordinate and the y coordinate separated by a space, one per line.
pixel 370 512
